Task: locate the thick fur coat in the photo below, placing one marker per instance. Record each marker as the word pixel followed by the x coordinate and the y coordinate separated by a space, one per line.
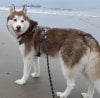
pixel 78 51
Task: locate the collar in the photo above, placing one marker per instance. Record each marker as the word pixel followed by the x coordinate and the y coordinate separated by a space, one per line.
pixel 28 33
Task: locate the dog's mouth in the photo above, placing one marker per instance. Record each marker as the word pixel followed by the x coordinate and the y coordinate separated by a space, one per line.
pixel 17 32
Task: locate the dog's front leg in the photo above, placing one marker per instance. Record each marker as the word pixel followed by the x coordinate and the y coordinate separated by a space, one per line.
pixel 36 65
pixel 26 71
pixel 27 65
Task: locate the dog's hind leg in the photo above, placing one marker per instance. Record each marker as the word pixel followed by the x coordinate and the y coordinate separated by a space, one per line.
pixel 91 87
pixel 70 87
pixel 90 92
pixel 69 77
pixel 92 71
pixel 36 64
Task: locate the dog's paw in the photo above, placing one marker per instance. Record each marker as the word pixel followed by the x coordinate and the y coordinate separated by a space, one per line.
pixel 35 75
pixel 20 82
pixel 85 95
pixel 60 95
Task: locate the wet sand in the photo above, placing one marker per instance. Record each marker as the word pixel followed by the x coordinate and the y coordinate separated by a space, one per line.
pixel 11 64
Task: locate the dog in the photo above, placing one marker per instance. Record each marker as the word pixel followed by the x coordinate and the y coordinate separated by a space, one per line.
pixel 77 50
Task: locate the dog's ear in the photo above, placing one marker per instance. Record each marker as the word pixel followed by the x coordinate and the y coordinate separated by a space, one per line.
pixel 25 9
pixel 12 8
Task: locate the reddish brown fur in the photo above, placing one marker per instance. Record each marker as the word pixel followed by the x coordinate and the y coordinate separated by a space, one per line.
pixel 71 43
pixel 20 13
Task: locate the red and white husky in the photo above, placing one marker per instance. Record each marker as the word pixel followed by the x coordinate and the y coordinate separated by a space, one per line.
pixel 78 51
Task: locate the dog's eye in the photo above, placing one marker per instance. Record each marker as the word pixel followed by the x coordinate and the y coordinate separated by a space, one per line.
pixel 22 21
pixel 15 20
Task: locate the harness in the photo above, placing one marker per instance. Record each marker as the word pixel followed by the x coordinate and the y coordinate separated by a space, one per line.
pixel 32 31
pixel 43 37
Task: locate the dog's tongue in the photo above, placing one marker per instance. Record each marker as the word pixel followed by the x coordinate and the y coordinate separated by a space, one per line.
pixel 18 34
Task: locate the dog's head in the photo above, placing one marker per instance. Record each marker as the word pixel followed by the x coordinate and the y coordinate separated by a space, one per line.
pixel 17 21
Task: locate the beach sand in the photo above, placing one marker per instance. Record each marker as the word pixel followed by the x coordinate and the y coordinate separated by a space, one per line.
pixel 11 64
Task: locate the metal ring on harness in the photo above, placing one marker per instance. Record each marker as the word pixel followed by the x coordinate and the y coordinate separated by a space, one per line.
pixel 43 36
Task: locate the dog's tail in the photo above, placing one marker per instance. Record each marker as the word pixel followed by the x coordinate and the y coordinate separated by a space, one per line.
pixel 97 85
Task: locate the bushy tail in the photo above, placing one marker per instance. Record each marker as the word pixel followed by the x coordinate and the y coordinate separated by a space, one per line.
pixel 97 85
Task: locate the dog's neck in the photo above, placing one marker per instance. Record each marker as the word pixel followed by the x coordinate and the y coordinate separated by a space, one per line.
pixel 30 31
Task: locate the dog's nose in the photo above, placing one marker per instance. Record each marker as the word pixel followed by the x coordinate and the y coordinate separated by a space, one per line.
pixel 18 27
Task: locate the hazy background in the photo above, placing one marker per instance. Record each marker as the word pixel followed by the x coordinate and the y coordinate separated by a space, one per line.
pixel 71 4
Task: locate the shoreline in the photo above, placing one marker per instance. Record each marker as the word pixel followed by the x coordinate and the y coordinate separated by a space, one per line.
pixel 94 13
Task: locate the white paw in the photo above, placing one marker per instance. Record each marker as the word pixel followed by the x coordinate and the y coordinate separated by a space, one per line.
pixel 60 95
pixel 85 95
pixel 35 75
pixel 20 82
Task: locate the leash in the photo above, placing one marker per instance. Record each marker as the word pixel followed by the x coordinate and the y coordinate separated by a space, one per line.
pixel 49 72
